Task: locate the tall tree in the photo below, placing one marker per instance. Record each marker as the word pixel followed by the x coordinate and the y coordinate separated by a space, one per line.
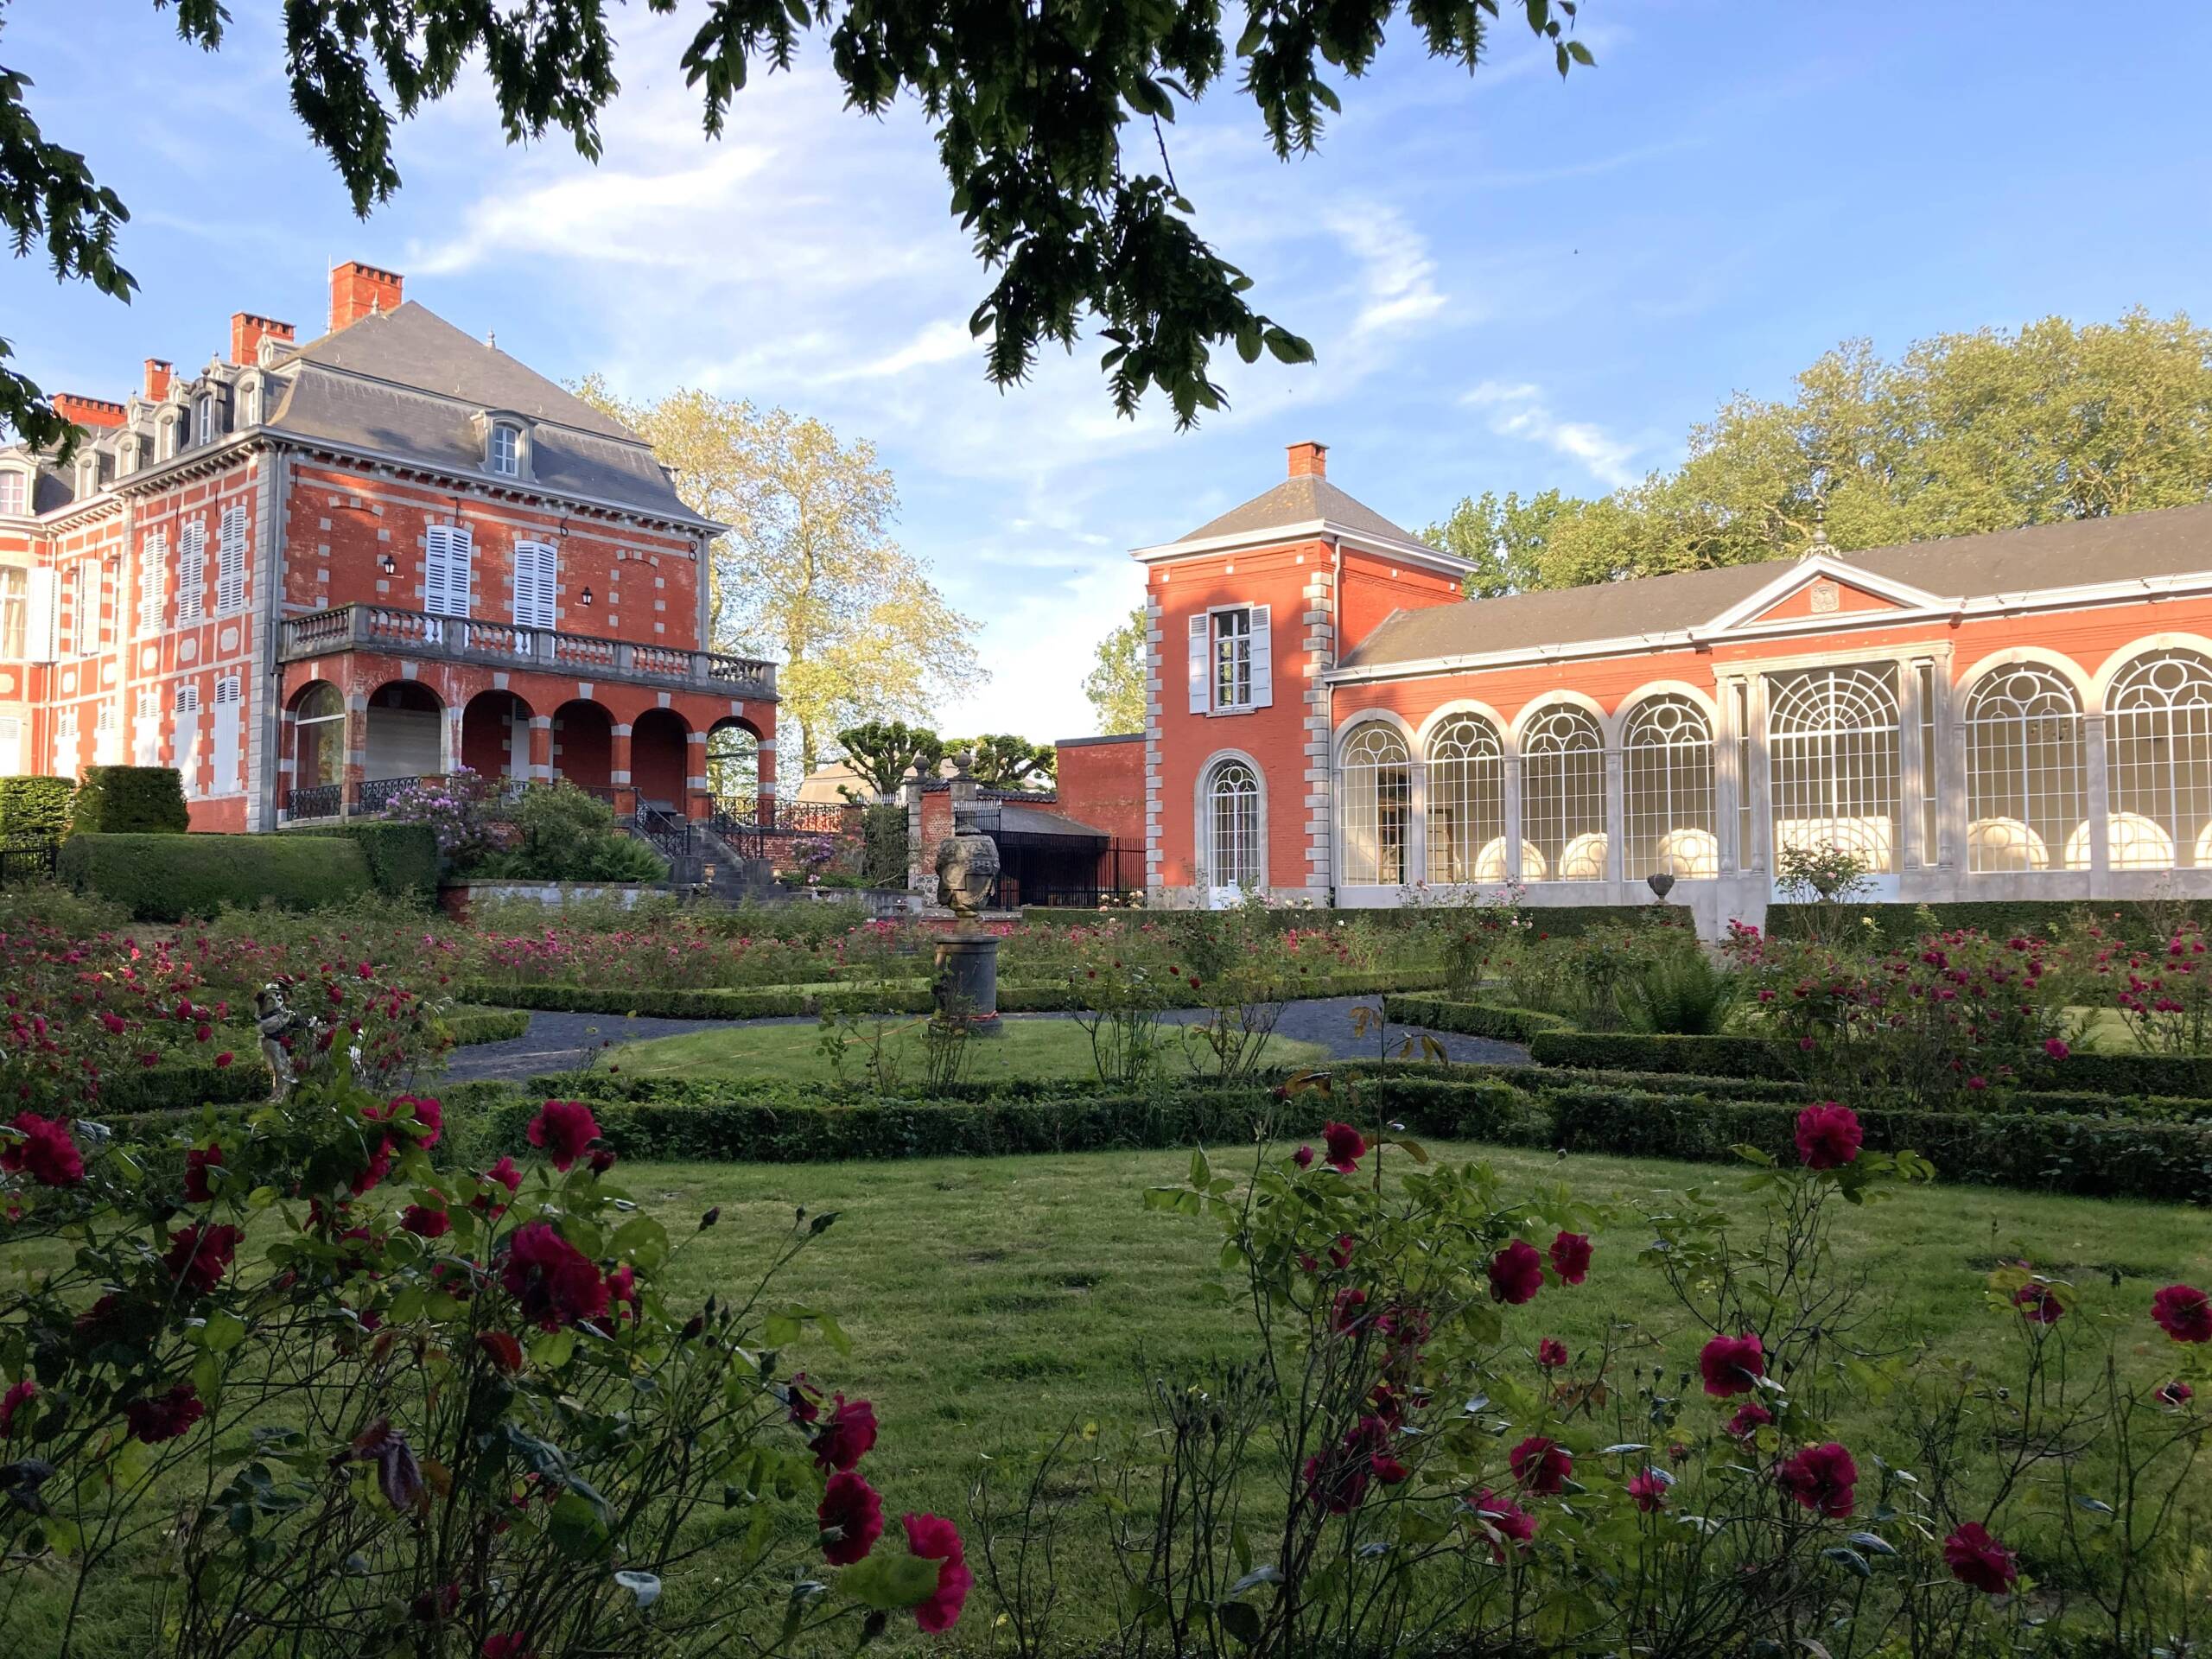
pixel 1003 761
pixel 1051 123
pixel 809 571
pixel 1964 433
pixel 882 753
pixel 1116 682
pixel 1503 537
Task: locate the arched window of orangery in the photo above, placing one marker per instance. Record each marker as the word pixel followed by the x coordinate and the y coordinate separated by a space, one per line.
pixel 2027 772
pixel 1378 779
pixel 1832 750
pixel 1466 801
pixel 1667 776
pixel 1563 797
pixel 2158 760
pixel 1230 825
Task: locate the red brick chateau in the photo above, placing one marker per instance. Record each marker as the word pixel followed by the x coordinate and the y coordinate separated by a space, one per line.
pixel 309 571
pixel 2025 714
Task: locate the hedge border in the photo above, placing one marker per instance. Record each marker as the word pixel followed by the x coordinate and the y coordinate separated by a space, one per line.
pixel 1999 919
pixel 1490 1020
pixel 165 878
pixel 402 859
pixel 468 1027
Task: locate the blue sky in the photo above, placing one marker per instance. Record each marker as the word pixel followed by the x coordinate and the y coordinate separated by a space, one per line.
pixel 1512 283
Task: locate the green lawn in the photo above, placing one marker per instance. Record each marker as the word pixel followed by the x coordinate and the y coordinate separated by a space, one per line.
pixel 1029 1046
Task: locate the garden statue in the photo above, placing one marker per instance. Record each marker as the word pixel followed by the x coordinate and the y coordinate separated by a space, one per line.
pixel 967 870
pixel 1662 883
pixel 276 1022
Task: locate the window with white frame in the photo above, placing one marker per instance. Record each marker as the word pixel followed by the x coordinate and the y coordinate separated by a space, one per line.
pixel 1377 781
pixel 1231 665
pixel 75 626
pixel 2027 772
pixel 1466 801
pixel 1563 797
pixel 145 727
pixel 230 563
pixel 65 743
pixel 1666 817
pixel 14 492
pixel 250 403
pixel 2159 760
pixel 1832 760
pixel 203 418
pixel 153 554
pixel 536 576
pixel 192 571
pixel 502 448
pixel 1230 833
pixel 449 552
pixel 14 611
pixel 184 742
pixel 107 735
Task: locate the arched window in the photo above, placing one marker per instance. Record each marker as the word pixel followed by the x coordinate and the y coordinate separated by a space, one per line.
pixel 204 418
pixel 2027 777
pixel 502 448
pixel 1466 800
pixel 1667 776
pixel 1378 800
pixel 1563 797
pixel 2158 734
pixel 1832 750
pixel 1229 831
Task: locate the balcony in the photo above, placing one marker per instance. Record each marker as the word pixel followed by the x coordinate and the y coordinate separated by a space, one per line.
pixel 499 644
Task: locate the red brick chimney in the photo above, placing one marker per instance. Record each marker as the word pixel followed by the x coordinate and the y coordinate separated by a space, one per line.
pixel 1309 460
pixel 87 411
pixel 357 291
pixel 247 331
pixel 157 379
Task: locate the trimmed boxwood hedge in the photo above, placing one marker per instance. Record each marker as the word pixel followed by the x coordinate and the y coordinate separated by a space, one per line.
pixel 130 801
pixel 2186 1076
pixel 1473 1018
pixel 403 858
pixel 183 1088
pixel 467 1025
pixel 163 878
pixel 35 809
pixel 1559 921
pixel 770 1001
pixel 2001 919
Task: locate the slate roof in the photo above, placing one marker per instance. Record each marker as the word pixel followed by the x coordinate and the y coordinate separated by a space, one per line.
pixel 1301 501
pixel 2140 546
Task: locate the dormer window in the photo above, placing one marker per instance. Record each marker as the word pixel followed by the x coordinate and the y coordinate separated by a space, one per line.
pixel 203 419
pixel 126 455
pixel 503 449
pixel 88 475
pixel 14 492
pixel 250 403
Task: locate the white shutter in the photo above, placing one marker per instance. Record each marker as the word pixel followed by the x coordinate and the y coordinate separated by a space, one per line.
pixel 153 553
pixel 146 729
pixel 537 566
pixel 191 571
pixel 184 741
pixel 107 730
pixel 230 563
pixel 42 594
pixel 227 746
pixel 1263 683
pixel 1201 663
pixel 446 551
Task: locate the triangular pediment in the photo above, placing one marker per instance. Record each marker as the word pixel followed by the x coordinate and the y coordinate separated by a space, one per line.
pixel 1818 589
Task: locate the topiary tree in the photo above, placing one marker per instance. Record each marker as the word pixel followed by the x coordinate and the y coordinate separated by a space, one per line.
pixel 1004 761
pixel 35 809
pixel 884 751
pixel 130 801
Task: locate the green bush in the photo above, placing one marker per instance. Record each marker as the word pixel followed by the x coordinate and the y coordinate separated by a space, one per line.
pixel 1473 1018
pixel 35 809
pixel 465 1026
pixel 565 835
pixel 163 878
pixel 403 858
pixel 185 1088
pixel 1889 925
pixel 130 801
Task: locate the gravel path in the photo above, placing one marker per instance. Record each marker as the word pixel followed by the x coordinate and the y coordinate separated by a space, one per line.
pixel 557 1041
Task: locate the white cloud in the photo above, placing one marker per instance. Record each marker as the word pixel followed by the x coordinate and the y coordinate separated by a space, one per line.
pixel 1518 410
pixel 1397 290
pixel 940 342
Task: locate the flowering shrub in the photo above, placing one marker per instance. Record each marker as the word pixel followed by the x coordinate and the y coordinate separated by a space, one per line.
pixel 460 807
pixel 336 1399
pixel 2163 992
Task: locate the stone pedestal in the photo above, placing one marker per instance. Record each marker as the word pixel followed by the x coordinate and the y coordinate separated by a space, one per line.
pixel 967 985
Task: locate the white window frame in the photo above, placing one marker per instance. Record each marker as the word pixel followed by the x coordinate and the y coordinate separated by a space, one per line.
pixel 230 563
pixel 1231 645
pixel 203 418
pixel 1232 823
pixel 503 449
pixel 14 492
pixel 536 581
pixel 448 557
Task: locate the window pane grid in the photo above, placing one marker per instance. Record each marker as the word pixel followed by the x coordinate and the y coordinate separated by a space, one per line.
pixel 1563 797
pixel 2159 739
pixel 2027 776
pixel 1232 658
pixel 1378 805
pixel 1666 773
pixel 1832 750
pixel 1233 826
pixel 1466 801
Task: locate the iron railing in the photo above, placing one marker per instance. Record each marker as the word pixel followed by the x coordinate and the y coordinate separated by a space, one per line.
pixel 459 638
pixel 316 801
pixel 377 794
pixel 30 859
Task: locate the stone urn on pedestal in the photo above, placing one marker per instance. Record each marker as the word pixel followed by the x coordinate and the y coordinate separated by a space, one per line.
pixel 967 987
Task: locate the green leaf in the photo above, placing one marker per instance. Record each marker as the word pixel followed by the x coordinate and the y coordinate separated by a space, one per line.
pixel 1241 1621
pixel 1580 54
pixel 222 1333
pixel 890 1582
pixel 553 1349
pixel 576 1526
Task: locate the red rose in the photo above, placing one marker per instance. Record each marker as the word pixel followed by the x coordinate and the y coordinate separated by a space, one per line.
pixel 1979 1562
pixel 622 1285
pixel 197 1163
pixel 1649 1488
pixel 1345 1145
pixel 1517 1273
pixel 556 1282
pixel 1730 1364
pixel 1508 1521
pixel 1828 1135
pixel 1821 1478
pixel 1347 1311
pixel 425 1223
pixel 223 1059
pixel 501 1349
pixel 1340 1252
pixel 431 1607
pixel 565 1129
pixel 803 1400
pixel 165 1416
pixel 430 1118
pixel 846 1437
pixel 514 1645
pixel 200 1256
pixel 2176 1393
pixel 2039 1302
pixel 1303 1157
pixel 1540 1466
pixel 2183 1313
pixel 507 1175
pixel 21 1394
pixel 935 1538
pixel 851 1509
pixel 1570 1255
pixel 373 1174
pixel 1750 1418
pixel 46 1152
pixel 2056 1048
pixel 1551 1353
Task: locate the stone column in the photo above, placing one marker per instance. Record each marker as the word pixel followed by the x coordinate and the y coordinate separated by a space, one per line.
pixel 357 751
pixel 1616 825
pixel 699 803
pixel 1512 817
pixel 1912 777
pixel 2097 748
pixel 540 769
pixel 618 770
pixel 1727 785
